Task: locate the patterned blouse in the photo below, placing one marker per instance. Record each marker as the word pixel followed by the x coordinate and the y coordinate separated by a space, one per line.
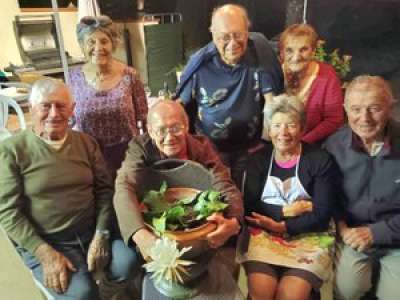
pixel 110 116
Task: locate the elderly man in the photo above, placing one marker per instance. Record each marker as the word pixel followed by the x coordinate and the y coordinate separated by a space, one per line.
pixel 56 202
pixel 168 137
pixel 368 154
pixel 227 83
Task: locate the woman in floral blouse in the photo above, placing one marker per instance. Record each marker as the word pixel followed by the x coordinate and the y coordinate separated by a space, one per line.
pixel 111 105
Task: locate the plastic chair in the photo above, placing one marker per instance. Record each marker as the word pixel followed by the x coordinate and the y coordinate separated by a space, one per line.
pixel 5 103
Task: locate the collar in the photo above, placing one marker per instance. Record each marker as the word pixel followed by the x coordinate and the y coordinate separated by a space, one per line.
pixel 390 145
pixel 217 60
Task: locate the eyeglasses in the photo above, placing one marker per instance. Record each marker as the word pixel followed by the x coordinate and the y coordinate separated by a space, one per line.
pixel 175 130
pixel 227 37
pixel 95 21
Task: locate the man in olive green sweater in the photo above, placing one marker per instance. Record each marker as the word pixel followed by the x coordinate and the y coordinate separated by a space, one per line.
pixel 56 201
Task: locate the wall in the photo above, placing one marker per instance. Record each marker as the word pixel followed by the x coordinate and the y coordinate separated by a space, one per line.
pixel 9 50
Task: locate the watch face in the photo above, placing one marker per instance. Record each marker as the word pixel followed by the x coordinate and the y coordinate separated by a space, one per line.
pixel 103 232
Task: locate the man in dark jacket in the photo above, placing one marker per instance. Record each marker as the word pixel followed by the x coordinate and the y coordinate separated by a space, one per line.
pixel 227 82
pixel 368 154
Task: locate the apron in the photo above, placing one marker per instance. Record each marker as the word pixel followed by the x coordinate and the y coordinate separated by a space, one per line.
pixel 309 251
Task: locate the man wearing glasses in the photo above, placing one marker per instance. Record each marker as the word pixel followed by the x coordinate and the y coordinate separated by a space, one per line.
pixel 225 84
pixel 168 137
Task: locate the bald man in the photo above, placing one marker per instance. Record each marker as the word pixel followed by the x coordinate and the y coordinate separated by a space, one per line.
pixel 227 82
pixel 168 137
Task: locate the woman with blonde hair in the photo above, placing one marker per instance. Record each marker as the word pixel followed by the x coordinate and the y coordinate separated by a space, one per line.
pixel 289 199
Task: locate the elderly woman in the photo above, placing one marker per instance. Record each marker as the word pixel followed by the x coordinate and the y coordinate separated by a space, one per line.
pixel 289 194
pixel 315 83
pixel 111 104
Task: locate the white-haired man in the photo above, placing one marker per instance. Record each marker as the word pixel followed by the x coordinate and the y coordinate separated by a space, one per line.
pixel 227 82
pixel 367 152
pixel 56 202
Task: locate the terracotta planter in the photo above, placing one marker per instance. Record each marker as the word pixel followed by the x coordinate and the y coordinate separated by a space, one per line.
pixel 194 237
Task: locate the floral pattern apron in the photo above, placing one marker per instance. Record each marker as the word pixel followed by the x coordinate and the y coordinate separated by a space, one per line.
pixel 308 251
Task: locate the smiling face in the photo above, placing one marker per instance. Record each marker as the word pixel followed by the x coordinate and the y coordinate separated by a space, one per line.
pixel 368 112
pixel 230 33
pixel 298 52
pixel 51 114
pixel 285 132
pixel 168 129
pixel 98 48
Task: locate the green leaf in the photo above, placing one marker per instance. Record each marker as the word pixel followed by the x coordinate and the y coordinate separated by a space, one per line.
pixel 208 203
pixel 163 187
pixel 156 199
pixel 175 213
pixel 186 200
pixel 160 223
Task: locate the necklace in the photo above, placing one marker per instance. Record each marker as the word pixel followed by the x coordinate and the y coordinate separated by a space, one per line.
pixel 96 76
pixel 304 83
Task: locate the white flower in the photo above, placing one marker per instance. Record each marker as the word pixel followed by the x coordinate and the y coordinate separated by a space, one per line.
pixel 166 262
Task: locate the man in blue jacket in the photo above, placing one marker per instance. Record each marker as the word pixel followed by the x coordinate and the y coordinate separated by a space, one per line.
pixel 368 154
pixel 227 83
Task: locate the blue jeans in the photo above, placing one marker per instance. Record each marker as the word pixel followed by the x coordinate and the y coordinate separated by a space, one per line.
pixel 124 265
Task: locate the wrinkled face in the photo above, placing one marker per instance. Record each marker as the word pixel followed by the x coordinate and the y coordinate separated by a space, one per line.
pixel 368 112
pixel 297 53
pixel 51 115
pixel 285 131
pixel 98 48
pixel 169 131
pixel 230 34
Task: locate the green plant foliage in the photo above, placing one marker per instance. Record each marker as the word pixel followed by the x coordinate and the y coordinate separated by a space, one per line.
pixel 183 213
pixel 341 63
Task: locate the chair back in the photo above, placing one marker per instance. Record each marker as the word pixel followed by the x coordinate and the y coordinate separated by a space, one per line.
pixel 5 103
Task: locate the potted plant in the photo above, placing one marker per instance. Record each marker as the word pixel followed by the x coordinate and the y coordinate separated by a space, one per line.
pixel 341 63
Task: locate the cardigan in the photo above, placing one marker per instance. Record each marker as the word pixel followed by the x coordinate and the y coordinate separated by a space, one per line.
pixel 317 172
pixel 324 106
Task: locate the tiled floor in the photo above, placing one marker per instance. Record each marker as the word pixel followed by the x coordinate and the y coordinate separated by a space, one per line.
pixel 15 280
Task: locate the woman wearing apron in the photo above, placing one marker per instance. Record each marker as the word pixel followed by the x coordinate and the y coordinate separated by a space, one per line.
pixel 289 198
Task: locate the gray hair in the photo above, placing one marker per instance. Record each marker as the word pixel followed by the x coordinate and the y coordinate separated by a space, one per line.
pixel 230 8
pixel 370 83
pixel 165 104
pixel 88 25
pixel 46 86
pixel 287 105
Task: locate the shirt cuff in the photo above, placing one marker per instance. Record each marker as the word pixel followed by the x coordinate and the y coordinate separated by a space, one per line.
pixel 381 233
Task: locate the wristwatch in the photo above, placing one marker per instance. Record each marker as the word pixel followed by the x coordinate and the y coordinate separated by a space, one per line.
pixel 103 233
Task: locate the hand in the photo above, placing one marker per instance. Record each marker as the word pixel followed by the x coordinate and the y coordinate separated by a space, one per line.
pixel 297 208
pixel 358 238
pixel 145 240
pixel 266 223
pixel 56 268
pixel 225 229
pixel 99 253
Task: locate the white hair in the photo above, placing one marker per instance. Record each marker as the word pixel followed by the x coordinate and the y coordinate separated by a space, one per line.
pixel 46 86
pixel 287 105
pixel 230 9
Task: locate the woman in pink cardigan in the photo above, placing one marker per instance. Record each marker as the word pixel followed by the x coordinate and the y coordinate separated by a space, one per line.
pixel 314 83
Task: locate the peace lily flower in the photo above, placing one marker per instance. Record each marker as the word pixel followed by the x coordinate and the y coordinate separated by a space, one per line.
pixel 165 261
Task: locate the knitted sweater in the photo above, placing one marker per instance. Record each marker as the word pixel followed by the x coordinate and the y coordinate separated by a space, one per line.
pixel 46 191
